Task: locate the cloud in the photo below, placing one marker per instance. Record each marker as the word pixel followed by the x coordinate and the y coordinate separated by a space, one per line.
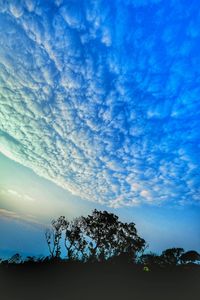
pixel 19 195
pixel 102 99
pixel 27 219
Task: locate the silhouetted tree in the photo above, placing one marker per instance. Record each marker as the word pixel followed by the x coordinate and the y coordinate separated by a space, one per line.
pixel 75 242
pixel 128 241
pixel 172 256
pixel 190 257
pixel 101 231
pixel 53 236
pixel 102 235
pixel 98 236
pixel 107 236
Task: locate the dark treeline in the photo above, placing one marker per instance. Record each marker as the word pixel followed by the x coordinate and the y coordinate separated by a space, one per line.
pixel 102 237
pixel 100 257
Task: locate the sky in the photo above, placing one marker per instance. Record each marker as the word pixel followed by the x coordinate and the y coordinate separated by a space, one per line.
pixel 99 108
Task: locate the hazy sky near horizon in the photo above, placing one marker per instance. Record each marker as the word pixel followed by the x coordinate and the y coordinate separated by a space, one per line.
pixel 29 203
pixel 99 107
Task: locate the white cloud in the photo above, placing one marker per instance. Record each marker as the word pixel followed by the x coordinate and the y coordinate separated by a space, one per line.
pixel 93 99
pixel 16 195
pixel 28 219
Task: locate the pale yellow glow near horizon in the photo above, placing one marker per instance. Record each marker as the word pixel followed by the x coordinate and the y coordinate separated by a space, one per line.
pixel 24 192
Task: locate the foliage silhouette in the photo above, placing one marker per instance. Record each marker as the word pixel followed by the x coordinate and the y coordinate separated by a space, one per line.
pixel 74 240
pixel 151 260
pixel 172 256
pixel 98 236
pixel 105 258
pixel 190 257
pixel 101 236
pixel 53 236
pixel 15 259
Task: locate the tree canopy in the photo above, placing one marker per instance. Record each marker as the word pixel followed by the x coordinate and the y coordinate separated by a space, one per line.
pixel 101 236
pixel 98 236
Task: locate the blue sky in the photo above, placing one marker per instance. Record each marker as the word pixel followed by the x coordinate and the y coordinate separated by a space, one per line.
pixel 29 203
pixel 99 107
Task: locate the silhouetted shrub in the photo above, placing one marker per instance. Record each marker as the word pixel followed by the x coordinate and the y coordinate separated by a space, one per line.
pixel 190 257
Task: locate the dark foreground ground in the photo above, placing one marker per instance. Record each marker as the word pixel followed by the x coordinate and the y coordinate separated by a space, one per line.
pixel 97 281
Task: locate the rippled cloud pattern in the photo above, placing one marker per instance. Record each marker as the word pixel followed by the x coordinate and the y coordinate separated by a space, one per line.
pixel 103 97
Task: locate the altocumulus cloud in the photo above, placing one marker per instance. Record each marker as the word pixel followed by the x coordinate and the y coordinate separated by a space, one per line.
pixel 102 97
